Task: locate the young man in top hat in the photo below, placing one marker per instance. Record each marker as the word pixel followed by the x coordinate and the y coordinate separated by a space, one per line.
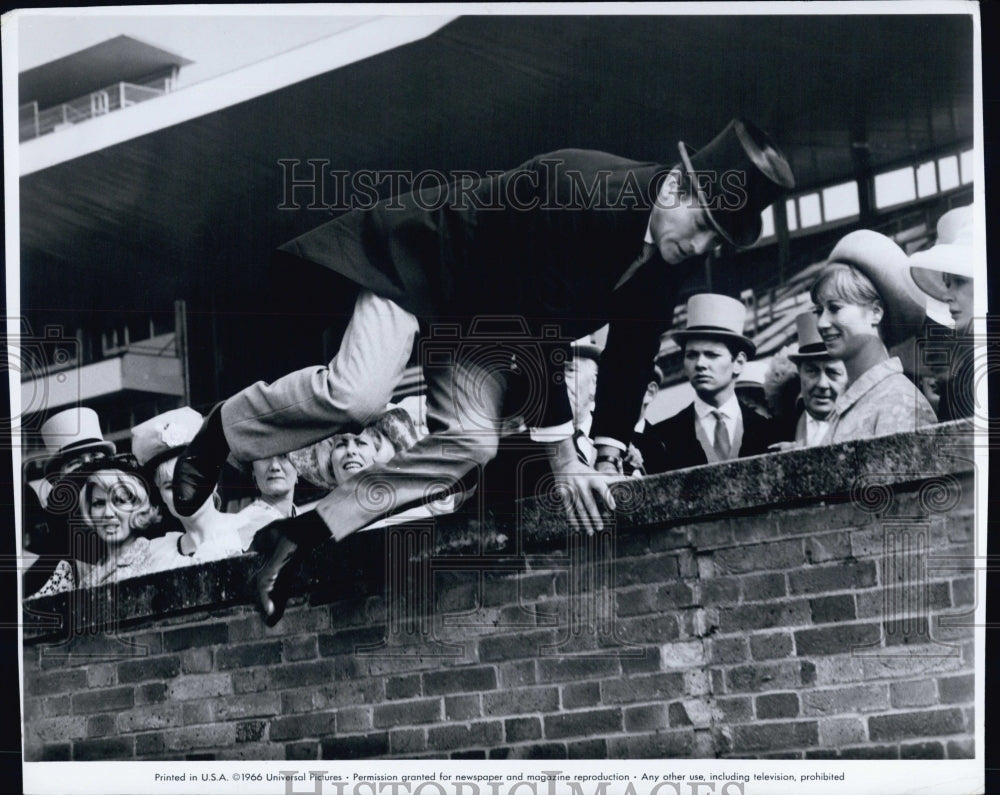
pixel 821 381
pixel 567 242
pixel 715 427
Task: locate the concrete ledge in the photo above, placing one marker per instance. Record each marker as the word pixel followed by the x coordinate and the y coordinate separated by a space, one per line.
pixel 358 565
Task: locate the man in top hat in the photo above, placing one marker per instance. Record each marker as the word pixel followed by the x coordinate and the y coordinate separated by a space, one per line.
pixel 945 273
pixel 567 242
pixel 821 381
pixel 644 448
pixel 716 426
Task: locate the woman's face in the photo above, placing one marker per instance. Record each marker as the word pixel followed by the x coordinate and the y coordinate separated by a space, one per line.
pixel 112 498
pixel 844 326
pixel 351 453
pixel 165 484
pixel 959 297
pixel 274 476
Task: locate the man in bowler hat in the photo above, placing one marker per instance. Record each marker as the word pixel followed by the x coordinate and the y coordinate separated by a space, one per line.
pixel 564 244
pixel 716 426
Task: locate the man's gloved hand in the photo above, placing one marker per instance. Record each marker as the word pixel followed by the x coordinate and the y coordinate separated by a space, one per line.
pixel 289 540
pixel 578 482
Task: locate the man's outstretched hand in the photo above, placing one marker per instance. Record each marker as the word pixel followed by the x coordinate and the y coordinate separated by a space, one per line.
pixel 578 483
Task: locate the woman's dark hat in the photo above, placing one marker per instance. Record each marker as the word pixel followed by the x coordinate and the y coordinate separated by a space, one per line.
pixel 737 176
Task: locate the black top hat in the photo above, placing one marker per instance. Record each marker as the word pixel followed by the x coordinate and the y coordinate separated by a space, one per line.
pixel 737 175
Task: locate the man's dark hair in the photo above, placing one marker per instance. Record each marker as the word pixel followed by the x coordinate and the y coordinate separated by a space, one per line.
pixel 732 347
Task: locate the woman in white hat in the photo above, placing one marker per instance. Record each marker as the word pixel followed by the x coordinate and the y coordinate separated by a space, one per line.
pixel 209 534
pixel 108 499
pixel 944 272
pixel 865 303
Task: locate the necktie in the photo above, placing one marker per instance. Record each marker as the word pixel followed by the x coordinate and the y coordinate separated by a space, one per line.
pixel 721 441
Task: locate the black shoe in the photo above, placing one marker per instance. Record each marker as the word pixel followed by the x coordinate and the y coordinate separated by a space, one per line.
pixel 198 468
pixel 294 538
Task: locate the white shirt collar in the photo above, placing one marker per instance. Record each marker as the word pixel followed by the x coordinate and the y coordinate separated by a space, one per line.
pixel 730 409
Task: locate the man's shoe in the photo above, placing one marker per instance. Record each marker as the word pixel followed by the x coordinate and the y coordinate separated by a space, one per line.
pixel 198 468
pixel 294 538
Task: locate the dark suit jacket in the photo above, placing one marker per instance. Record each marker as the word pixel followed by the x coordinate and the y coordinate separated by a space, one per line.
pixel 546 243
pixel 677 447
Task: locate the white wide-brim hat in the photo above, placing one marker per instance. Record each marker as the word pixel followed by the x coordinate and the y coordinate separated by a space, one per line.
pixel 951 254
pixel 887 267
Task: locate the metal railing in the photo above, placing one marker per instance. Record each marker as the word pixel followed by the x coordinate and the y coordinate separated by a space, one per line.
pixel 34 122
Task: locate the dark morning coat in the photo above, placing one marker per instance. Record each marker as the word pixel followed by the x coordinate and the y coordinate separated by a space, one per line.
pixel 674 445
pixel 546 242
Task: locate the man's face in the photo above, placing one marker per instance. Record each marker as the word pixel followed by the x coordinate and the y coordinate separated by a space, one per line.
pixel 581 384
pixel 822 381
pixel 679 226
pixel 710 367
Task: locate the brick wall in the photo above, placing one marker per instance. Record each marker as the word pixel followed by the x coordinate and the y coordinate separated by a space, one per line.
pixel 828 617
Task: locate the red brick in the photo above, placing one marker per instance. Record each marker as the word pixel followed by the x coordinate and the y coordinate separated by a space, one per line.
pixel 60 752
pixel 901 726
pixel 293 701
pixel 250 731
pixel 299 648
pixel 768 736
pixel 517 674
pixel 957 689
pixel 462 707
pixel 760 587
pixel 105 675
pixel 870 752
pixel 647 569
pixel 583 667
pixel 576 724
pixel 204 635
pixel 919 693
pixel 313 672
pixel 649 717
pixel 961 749
pixel 350 692
pixel 200 686
pixel 523 700
pixel 634 601
pixel 196 712
pixel 642 688
pixel 921 751
pixel 356 719
pixel 516 588
pixel 246 706
pixel 407 741
pixel 149 744
pixel 581 694
pixel 197 661
pixel 536 751
pixel 407 713
pixel 251 680
pixel 101 725
pixel 483 733
pixel 192 737
pixel 518 730
pixel 351 641
pixel 513 647
pixel 648 629
pixel 661 745
pixel 832 609
pixel 777 705
pixel 838 639
pixel 108 700
pixel 297 727
pixel 247 655
pixel 57 705
pixel 827 547
pixel 840 577
pixel 155 716
pixel 840 732
pixel 718 533
pixel 759 557
pixel 720 591
pixel 763 616
pixel 150 693
pixel 402 686
pixel 107 748
pixel 763 676
pixel 457 680
pixel 296 621
pixel 733 710
pixel 771 646
pixel 836 701
pixel 152 668
pixel 963 591
pixel 56 682
pixel 364 746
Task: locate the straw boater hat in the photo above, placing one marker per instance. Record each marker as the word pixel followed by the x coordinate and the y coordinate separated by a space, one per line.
pixel 164 436
pixel 811 345
pixel 716 317
pixel 887 267
pixel 951 254
pixel 73 435
pixel 741 148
